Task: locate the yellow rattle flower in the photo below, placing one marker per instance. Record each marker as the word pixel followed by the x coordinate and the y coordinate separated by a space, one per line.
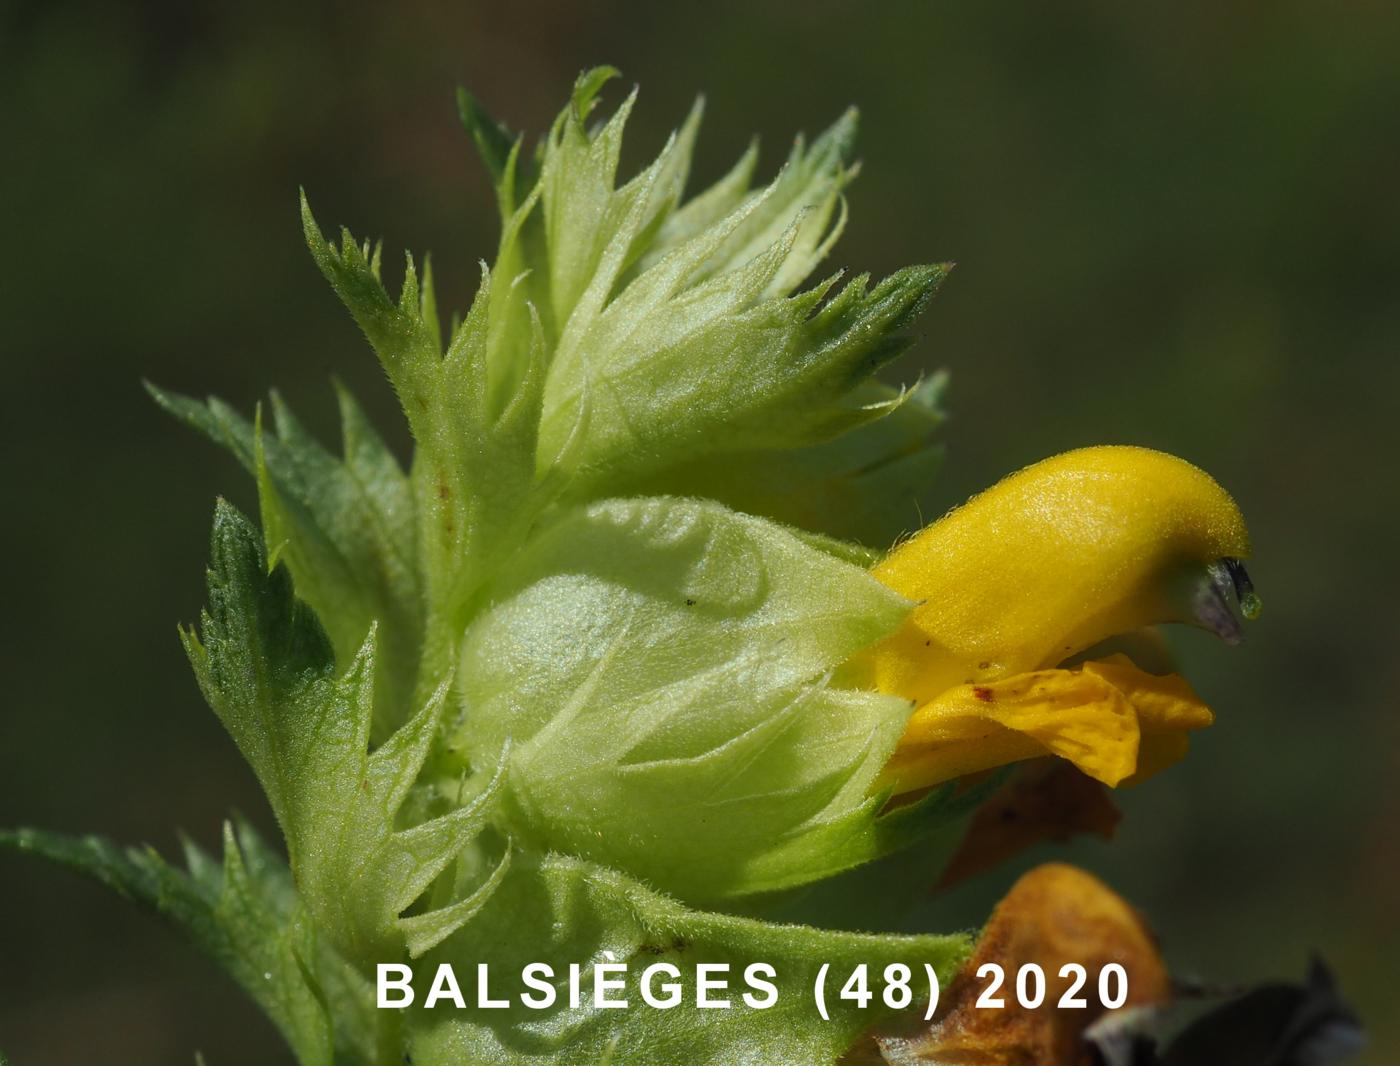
pixel 1048 563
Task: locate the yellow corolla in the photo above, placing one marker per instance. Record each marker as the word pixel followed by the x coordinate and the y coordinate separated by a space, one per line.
pixel 1049 562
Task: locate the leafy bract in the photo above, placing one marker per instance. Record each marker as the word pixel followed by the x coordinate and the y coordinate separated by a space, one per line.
pixel 868 486
pixel 666 326
pixel 659 665
pixel 532 680
pixel 561 911
pixel 344 527
pixel 670 371
pixel 624 332
pixel 244 915
pixel 473 466
pixel 266 668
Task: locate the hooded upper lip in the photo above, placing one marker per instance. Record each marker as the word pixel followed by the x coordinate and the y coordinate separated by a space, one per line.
pixel 1224 598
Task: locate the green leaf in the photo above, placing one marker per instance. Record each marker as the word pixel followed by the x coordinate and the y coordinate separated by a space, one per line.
pixel 672 331
pixel 671 372
pixel 556 910
pixel 521 267
pixel 245 917
pixel 343 525
pixel 870 485
pixel 622 333
pixel 659 665
pixel 266 669
pixel 473 420
pixel 894 854
pixel 426 931
pixel 803 197
pixel 493 141
pixel 406 335
pixel 677 334
pixel 647 693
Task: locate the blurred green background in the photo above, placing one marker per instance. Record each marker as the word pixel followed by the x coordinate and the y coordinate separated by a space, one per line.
pixel 1176 225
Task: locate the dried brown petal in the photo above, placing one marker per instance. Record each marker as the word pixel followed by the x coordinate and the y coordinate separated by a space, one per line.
pixel 1048 799
pixel 1054 915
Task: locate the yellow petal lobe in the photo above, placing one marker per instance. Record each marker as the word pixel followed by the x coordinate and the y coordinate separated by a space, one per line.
pixel 1168 709
pixel 1113 721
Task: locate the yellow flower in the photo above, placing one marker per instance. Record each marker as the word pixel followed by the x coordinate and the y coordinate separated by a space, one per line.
pixel 1049 562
